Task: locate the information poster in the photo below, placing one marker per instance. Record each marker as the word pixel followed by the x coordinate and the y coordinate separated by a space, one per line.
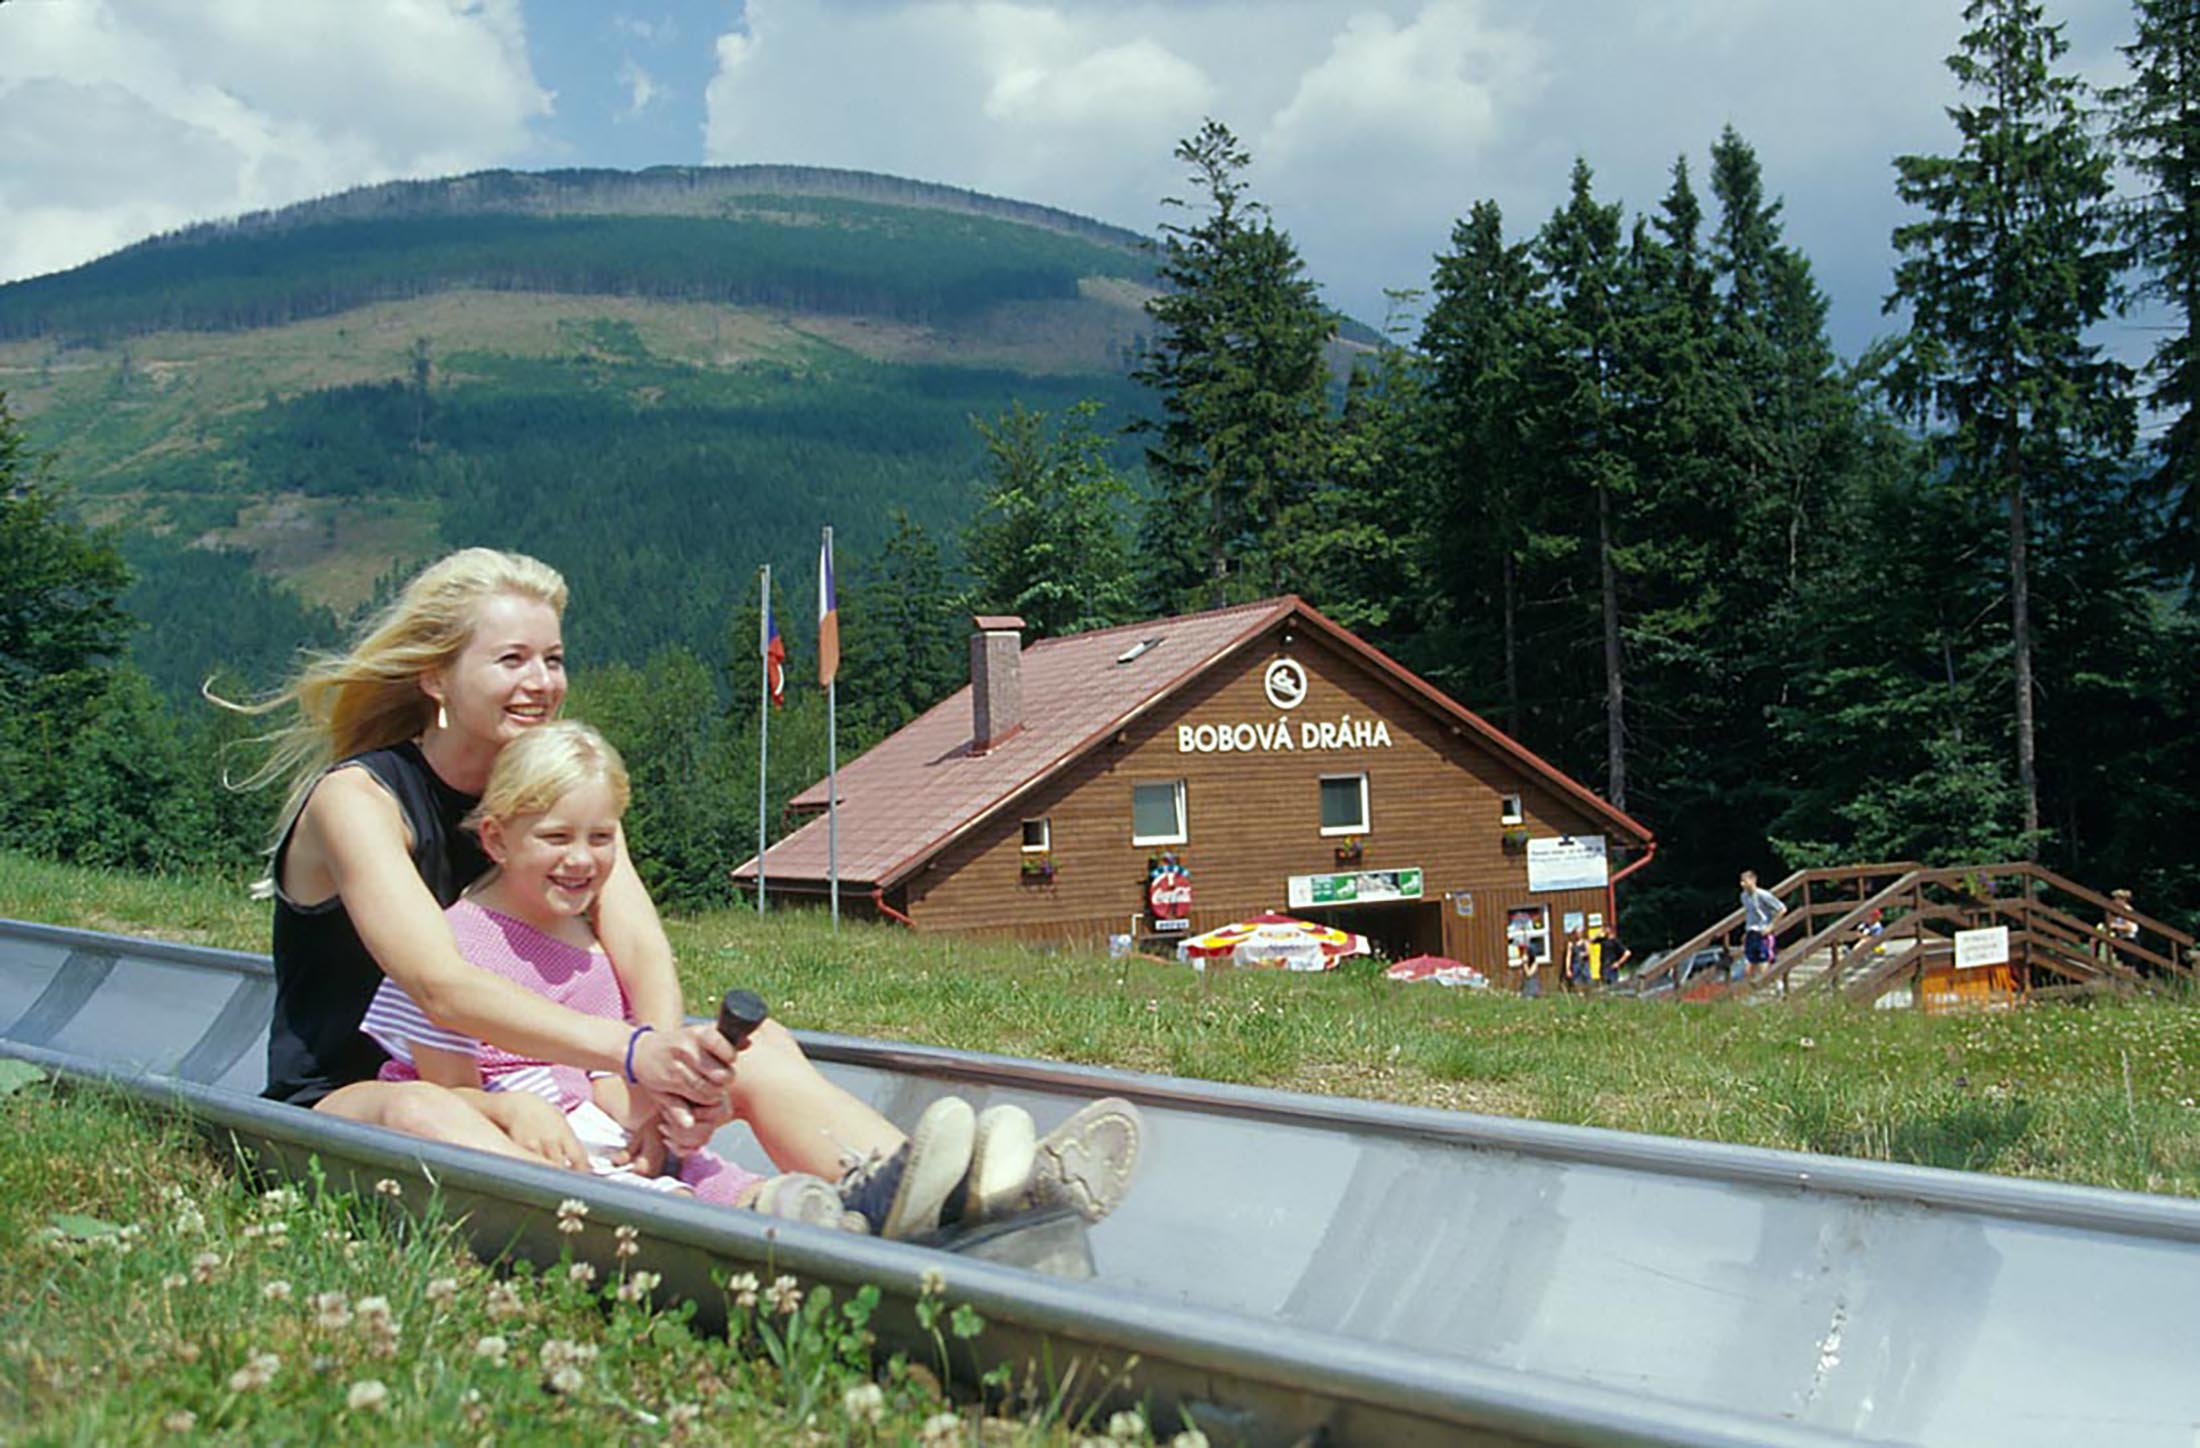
pixel 1569 862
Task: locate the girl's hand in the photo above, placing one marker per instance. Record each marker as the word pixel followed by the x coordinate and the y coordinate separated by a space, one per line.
pixel 537 1127
pixel 689 1069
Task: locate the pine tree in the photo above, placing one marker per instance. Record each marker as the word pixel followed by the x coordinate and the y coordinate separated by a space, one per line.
pixel 2011 264
pixel 2158 127
pixel 1239 371
pixel 904 629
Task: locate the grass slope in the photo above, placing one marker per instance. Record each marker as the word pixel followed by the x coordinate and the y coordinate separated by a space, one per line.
pixel 2106 1094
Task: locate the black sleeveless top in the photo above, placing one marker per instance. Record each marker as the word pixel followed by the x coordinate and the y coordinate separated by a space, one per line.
pixel 324 976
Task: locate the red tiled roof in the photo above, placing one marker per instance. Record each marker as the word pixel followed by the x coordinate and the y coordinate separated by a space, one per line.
pixel 914 792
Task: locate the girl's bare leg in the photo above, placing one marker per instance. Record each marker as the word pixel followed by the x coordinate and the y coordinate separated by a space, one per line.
pixel 419 1108
pixel 803 1121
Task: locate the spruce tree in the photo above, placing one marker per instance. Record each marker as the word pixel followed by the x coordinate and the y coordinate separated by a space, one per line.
pixel 1048 542
pixel 2012 262
pixel 1239 371
pixel 2158 127
pixel 1477 340
pixel 1580 256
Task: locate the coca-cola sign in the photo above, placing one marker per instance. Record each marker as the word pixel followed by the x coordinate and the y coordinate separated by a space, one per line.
pixel 1169 894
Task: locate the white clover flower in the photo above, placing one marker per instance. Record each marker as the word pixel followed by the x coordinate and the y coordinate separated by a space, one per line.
pixel 492 1348
pixel 331 1311
pixel 205 1266
pixel 582 1272
pixel 566 1380
pixel 172 1281
pixel 683 1415
pixel 183 1420
pixel 257 1372
pixel 389 1187
pixel 280 1199
pixel 942 1430
pixel 571 1211
pixel 743 1287
pixel 1127 1427
pixel 275 1292
pixel 373 1310
pixel 932 1283
pixel 190 1221
pixel 1189 1438
pixel 864 1403
pixel 502 1300
pixel 368 1396
pixel 785 1295
pixel 442 1290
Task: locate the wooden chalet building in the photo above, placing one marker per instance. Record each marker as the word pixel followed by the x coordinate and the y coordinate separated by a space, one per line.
pixel 1171 776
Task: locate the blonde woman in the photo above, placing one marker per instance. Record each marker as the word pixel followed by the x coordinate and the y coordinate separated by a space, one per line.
pixel 392 745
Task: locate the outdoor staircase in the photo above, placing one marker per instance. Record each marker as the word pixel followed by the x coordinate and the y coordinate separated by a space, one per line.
pixel 1825 949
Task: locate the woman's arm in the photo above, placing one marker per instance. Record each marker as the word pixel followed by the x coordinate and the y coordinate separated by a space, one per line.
pixel 353 828
pixel 632 934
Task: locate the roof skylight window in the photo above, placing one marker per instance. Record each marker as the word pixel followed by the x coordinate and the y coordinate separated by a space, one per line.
pixel 1131 654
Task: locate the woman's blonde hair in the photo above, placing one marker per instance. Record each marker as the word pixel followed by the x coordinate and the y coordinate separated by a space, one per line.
pixel 545 764
pixel 369 697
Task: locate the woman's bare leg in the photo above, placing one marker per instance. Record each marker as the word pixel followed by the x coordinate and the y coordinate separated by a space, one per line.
pixel 803 1121
pixel 420 1109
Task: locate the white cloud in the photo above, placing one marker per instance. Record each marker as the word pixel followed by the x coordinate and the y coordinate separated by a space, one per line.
pixel 117 119
pixel 640 89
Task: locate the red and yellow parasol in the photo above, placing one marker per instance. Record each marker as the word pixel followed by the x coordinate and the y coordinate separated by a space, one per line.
pixel 1275 941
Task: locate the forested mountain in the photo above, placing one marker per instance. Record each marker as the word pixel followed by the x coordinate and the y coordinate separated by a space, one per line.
pixel 655 380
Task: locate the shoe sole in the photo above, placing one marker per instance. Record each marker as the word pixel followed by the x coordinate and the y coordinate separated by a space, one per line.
pixel 806 1199
pixel 1088 1161
pixel 1003 1154
pixel 939 1154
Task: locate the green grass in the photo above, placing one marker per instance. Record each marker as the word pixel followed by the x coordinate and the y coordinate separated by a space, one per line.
pixel 146 1297
pixel 2103 1093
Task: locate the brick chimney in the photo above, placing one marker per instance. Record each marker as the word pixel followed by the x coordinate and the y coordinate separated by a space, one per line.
pixel 996 680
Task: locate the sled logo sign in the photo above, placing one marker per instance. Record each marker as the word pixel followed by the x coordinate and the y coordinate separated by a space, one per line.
pixel 1285 684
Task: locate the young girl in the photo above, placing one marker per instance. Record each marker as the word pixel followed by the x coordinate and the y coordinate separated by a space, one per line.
pixel 549 823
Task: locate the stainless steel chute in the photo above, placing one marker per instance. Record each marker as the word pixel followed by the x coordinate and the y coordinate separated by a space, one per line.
pixel 1293 1265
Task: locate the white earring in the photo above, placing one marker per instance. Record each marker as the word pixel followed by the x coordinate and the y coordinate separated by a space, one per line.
pixel 442 720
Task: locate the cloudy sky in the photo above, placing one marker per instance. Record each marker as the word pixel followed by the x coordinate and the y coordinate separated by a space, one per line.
pixel 1373 123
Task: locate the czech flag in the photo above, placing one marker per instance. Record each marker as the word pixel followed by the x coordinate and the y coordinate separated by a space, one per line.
pixel 775 657
pixel 828 615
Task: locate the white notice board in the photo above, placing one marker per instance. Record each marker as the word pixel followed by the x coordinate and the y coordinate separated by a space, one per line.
pixel 1569 862
pixel 1982 947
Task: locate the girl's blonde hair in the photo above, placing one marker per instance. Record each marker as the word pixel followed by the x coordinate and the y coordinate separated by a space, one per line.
pixel 545 764
pixel 370 697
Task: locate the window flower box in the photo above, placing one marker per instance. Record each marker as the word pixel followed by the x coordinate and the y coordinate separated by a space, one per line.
pixel 1350 850
pixel 1038 867
pixel 1516 837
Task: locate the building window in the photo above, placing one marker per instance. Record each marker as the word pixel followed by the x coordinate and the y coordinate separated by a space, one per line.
pixel 1157 813
pixel 1038 835
pixel 1344 804
pixel 1509 811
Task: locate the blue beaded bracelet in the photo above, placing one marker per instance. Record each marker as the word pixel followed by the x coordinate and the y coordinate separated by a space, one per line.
pixel 631 1042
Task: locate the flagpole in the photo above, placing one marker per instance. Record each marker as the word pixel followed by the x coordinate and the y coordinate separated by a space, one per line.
pixel 763 724
pixel 832 746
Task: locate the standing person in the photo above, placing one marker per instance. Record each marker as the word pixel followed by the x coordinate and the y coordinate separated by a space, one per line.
pixel 2119 925
pixel 1530 966
pixel 392 743
pixel 1577 961
pixel 1760 908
